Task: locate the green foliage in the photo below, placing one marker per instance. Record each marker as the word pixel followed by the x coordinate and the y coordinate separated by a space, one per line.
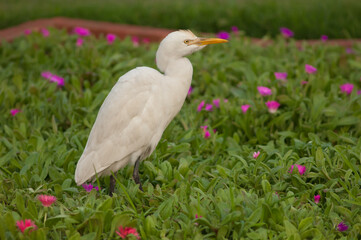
pixel 307 18
pixel 238 196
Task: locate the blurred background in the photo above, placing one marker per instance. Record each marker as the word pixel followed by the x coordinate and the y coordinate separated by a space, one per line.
pixel 309 19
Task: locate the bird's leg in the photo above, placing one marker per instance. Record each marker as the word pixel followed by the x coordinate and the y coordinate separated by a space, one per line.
pixel 112 184
pixel 136 174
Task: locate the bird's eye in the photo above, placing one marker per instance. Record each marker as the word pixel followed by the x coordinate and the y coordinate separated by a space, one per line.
pixel 186 41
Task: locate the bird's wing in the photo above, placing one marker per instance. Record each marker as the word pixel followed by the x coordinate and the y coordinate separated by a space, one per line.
pixel 126 123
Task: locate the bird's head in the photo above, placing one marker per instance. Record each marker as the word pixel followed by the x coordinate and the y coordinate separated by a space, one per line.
pixel 181 43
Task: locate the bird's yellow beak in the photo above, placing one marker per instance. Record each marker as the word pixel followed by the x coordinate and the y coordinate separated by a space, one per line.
pixel 207 41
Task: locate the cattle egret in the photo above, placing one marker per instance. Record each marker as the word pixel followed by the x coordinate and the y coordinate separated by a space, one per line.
pixel 138 109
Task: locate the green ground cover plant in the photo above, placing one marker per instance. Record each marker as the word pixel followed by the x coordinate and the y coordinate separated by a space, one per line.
pixel 199 183
pixel 308 18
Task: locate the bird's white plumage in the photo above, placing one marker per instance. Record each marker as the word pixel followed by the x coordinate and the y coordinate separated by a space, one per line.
pixel 137 110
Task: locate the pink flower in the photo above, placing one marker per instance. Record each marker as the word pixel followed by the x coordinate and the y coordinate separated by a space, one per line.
pixel 216 102
pixel 14 111
pixel 200 106
pixel 204 128
pixel 272 106
pixel 53 78
pixel 264 91
pixel 45 32
pixel 208 107
pixel 256 154
pixel 223 35
pixel 46 75
pixel 124 232
pixel 207 134
pixel 342 227
pixel 83 32
pixel 79 42
pixel 27 31
pixel 301 169
pixel 349 51
pixel 111 38
pixel 234 29
pixel 135 41
pixel 24 224
pixel 245 108
pixel 347 88
pixel 46 200
pixel 317 198
pixel 146 40
pixel 281 75
pixel 190 90
pixel 358 92
pixel 89 187
pixel 197 216
pixel 324 38
pixel 225 100
pixel 310 69
pixel 304 82
pixel 287 33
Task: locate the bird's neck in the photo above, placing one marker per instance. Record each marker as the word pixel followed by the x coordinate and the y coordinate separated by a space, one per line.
pixel 180 68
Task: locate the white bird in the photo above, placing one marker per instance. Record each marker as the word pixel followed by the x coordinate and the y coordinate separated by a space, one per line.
pixel 138 109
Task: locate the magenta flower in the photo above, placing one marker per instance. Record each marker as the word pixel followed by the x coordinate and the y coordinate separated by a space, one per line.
pixel 272 106
pixel 146 40
pixel 89 187
pixel 304 82
pixel 197 216
pixel 245 108
pixel 135 41
pixel 111 38
pixel 286 33
pixel 349 51
pixel 310 69
pixel 207 134
pixel 79 42
pixel 216 102
pixel 27 31
pixel 256 154
pixel 82 32
pixel 342 227
pixel 324 38
pixel 264 91
pixel 124 232
pixel 223 35
pixel 301 169
pixel 234 29
pixel 281 75
pixel 53 78
pixel 14 111
pixel 358 92
pixel 200 106
pixel 190 90
pixel 317 198
pixel 204 128
pixel 45 32
pixel 24 224
pixel 209 107
pixel 347 88
pixel 46 200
